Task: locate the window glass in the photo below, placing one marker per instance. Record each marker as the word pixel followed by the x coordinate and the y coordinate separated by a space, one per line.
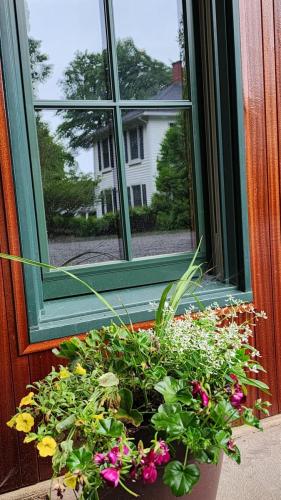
pixel 162 213
pixel 137 196
pixel 134 149
pixel 82 214
pixel 150 49
pixel 67 40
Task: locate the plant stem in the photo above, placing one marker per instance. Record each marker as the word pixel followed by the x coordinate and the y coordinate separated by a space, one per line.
pixel 96 494
pixel 185 457
pixel 127 489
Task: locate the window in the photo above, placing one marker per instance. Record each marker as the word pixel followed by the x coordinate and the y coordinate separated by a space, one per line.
pixel 136 144
pixel 108 156
pixel 139 195
pixel 100 124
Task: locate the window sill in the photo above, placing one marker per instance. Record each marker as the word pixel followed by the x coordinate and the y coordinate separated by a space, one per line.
pixel 64 317
pixel 137 161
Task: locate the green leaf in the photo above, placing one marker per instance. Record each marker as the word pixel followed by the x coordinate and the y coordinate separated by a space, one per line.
pixel 68 349
pixel 169 387
pixel 79 459
pixel 110 427
pixel 172 420
pixel 222 437
pixel 66 423
pixel 180 478
pixel 125 411
pixel 250 419
pixel 108 380
pixel 161 306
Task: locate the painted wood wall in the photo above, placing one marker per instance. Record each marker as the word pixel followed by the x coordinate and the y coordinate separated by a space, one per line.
pixel 261 58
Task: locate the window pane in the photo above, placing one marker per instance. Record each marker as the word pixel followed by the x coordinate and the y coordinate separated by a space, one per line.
pixel 162 211
pixel 134 150
pixel 137 196
pixel 68 52
pixel 81 203
pixel 150 49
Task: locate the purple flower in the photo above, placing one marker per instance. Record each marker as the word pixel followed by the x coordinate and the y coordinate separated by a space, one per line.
pixel 238 397
pixel 162 454
pixel 149 473
pixel 99 458
pixel 111 476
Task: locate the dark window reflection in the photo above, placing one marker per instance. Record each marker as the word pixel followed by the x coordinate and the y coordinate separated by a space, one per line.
pixel 68 52
pixel 150 49
pixel 80 190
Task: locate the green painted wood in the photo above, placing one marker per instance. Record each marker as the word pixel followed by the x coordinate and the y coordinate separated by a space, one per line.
pixel 141 271
pixel 80 314
pixel 20 156
pixel 32 132
pixel 88 104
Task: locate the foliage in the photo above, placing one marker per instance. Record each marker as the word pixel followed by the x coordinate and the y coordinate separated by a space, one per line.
pixel 173 200
pixel 39 67
pixel 142 220
pixel 185 381
pixel 86 77
pixel 65 189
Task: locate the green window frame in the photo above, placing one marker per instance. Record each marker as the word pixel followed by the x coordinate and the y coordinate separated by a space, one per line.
pixel 57 306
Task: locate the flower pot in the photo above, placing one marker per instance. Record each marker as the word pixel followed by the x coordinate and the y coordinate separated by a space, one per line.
pixel 205 489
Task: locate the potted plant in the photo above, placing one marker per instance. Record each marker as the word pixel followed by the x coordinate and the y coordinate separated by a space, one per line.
pixel 146 412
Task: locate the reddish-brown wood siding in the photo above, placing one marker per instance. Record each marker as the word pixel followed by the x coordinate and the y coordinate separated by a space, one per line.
pixel 261 60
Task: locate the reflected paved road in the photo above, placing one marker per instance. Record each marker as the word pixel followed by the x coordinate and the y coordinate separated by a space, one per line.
pixel 103 249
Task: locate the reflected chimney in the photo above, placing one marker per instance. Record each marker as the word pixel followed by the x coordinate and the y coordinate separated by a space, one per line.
pixel 177 71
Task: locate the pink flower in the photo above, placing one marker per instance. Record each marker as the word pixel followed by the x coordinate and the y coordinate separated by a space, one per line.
pixel 162 454
pixel 204 398
pixel 238 397
pixel 112 456
pixel 99 458
pixel 111 476
pixel 126 450
pixel 149 473
pixel 197 389
pixel 231 445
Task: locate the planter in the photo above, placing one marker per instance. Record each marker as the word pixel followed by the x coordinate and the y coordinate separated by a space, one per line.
pixel 205 489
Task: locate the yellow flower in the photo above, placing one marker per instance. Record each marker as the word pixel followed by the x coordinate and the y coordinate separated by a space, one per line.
pixel 98 417
pixel 27 400
pixel 11 423
pixel 64 373
pixel 24 422
pixel 79 370
pixel 47 447
pixel 70 480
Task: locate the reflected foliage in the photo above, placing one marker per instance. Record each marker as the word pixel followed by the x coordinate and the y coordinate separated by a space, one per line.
pixel 172 201
pixel 140 77
pixel 66 190
pixel 39 66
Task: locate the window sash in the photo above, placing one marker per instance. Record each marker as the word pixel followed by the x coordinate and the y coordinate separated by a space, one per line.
pixel 117 106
